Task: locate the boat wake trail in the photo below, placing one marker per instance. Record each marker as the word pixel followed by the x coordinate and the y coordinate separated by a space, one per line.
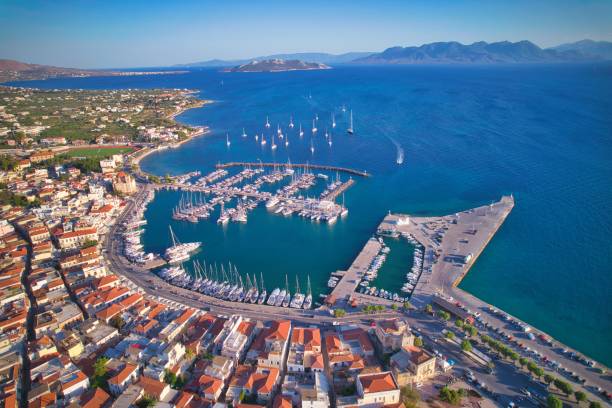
pixel 399 149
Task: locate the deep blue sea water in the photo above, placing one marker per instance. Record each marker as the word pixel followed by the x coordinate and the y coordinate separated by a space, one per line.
pixel 470 134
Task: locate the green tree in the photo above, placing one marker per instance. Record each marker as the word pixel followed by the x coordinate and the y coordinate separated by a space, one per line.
pixel 117 322
pixel 563 386
pixel 89 243
pixel 394 306
pixel 548 379
pixel 595 404
pixel 523 361
pixel 100 375
pixel 444 315
pixel 449 335
pixel 428 308
pixel 339 312
pixel 146 402
pixel 418 341
pixel 407 306
pixel 410 397
pixel 451 396
pixel 553 402
pixel 580 396
pixel 459 323
pixel 466 345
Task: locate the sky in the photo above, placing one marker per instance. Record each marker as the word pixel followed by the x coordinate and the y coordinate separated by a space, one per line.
pixel 135 33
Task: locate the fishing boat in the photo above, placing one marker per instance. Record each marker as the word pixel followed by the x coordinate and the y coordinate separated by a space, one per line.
pixel 350 129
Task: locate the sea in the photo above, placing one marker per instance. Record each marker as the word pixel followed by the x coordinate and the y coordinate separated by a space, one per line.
pixel 468 135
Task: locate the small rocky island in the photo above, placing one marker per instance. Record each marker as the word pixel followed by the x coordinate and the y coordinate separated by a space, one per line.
pixel 277 65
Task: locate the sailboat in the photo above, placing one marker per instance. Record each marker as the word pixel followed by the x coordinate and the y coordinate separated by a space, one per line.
pixel 278 129
pixel 227 141
pixel 256 137
pixel 343 108
pixel 287 299
pixel 311 147
pixel 263 140
pixel 273 146
pixel 287 141
pixel 267 123
pixel 298 298
pixel 263 293
pixel 301 131
pixel 329 141
pixel 308 300
pixel 344 209
pixel 350 129
pixel 243 133
pixel 333 120
pixel 314 127
pixel 291 122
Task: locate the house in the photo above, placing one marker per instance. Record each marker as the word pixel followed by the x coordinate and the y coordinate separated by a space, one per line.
pixel 210 387
pixel 412 365
pixel 94 398
pixel 220 367
pixel 126 376
pixel 275 341
pixel 393 334
pixel 236 343
pixel 124 184
pixel 154 388
pixel 305 351
pixel 74 239
pixel 377 390
pixel 263 382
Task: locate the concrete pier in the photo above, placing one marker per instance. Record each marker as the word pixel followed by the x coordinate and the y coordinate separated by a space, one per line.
pixel 295 166
pixel 331 196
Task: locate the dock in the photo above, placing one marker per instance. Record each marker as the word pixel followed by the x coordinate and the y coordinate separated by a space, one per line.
pixel 352 276
pixel 331 196
pixel 452 243
pixel 295 166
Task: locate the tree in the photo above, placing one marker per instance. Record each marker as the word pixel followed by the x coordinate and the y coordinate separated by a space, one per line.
pixel 146 402
pixel 418 341
pixel 410 397
pixel 594 404
pixel 459 323
pixel 444 315
pixel 453 397
pixel 553 402
pixel 563 386
pixel 407 306
pixel 523 361
pixel 100 375
pixel 394 306
pixel 117 322
pixel 339 312
pixel 449 335
pixel 466 345
pixel 89 243
pixel 548 378
pixel 428 308
pixel 580 396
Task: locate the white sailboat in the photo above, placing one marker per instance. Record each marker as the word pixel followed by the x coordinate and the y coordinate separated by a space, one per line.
pixel 311 147
pixel 350 128
pixel 343 108
pixel 301 131
pixel 273 145
pixel 314 127
pixel 256 137
pixel 263 140
pixel 329 141
pixel 333 120
pixel 291 122
pixel 243 133
pixel 267 123
pixel 278 129
pixel 227 141
pixel 287 141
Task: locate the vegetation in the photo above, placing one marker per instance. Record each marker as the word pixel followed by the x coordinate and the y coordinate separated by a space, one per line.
pixel 154 179
pixel 407 305
pixel 428 308
pixel 451 396
pixel 553 402
pixel 97 153
pixel 410 397
pixel 117 322
pixel 459 323
pixel 466 345
pixel 339 312
pixel 146 402
pixel 89 243
pixel 594 404
pixel 563 386
pixel 175 381
pixel 100 375
pixel 444 315
pixel 7 162
pixel 348 390
pixel 87 165
pixel 580 396
pixel 418 341
pixel 449 335
pixel 373 308
pixel 394 306
pixel 16 200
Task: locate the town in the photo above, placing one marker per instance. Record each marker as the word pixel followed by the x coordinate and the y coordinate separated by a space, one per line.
pixel 80 325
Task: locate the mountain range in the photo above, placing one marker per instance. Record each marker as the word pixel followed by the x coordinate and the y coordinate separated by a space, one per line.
pixel 449 52
pixel 277 65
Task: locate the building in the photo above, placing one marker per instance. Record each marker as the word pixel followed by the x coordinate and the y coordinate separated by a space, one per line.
pixel 412 365
pixel 305 351
pixel 393 334
pixel 126 376
pixel 124 184
pixel 377 390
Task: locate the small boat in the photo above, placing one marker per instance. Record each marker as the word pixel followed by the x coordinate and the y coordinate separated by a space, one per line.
pixel 314 127
pixel 243 133
pixel 333 121
pixel 287 141
pixel 291 122
pixel 267 123
pixel 311 147
pixel 301 131
pixel 273 145
pixel 350 128
pixel 256 137
pixel 263 140
pixel 329 141
pixel 227 141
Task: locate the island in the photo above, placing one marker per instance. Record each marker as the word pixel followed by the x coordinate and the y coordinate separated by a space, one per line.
pixel 277 65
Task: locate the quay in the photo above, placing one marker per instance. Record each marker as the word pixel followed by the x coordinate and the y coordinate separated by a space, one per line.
pixel 345 289
pixel 452 243
pixel 295 166
pixel 331 196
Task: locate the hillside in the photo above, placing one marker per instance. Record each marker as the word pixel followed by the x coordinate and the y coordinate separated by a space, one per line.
pixel 277 65
pixel 320 57
pixel 478 52
pixel 598 49
pixel 11 70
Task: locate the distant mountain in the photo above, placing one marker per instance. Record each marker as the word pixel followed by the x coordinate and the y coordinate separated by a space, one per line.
pixel 277 65
pixel 601 49
pixel 478 52
pixel 319 57
pixel 11 70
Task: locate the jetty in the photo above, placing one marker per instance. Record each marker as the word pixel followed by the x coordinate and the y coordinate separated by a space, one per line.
pixel 331 196
pixel 295 166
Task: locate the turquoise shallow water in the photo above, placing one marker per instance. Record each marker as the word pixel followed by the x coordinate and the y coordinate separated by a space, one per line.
pixel 470 134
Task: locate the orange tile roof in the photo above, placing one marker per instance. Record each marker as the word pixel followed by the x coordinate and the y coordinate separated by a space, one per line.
pixel 282 401
pixel 96 398
pixel 123 375
pixel 209 385
pixel 378 382
pixel 279 330
pixel 185 316
pixel 109 312
pixel 263 382
pixel 309 337
pixel 152 387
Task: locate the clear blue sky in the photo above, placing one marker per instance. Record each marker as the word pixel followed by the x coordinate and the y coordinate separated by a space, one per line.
pixel 132 33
